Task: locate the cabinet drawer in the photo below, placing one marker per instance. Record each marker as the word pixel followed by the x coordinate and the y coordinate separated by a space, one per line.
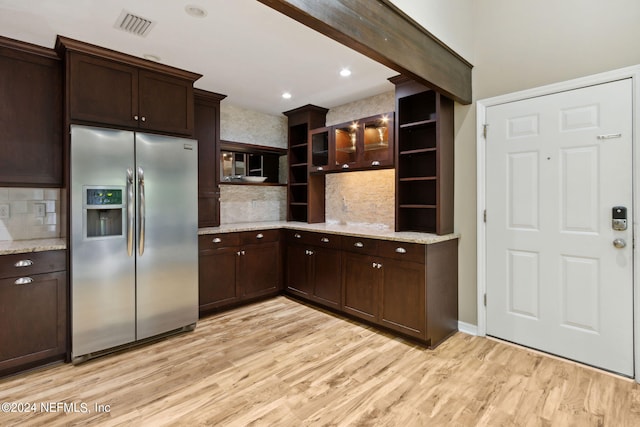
pixel 360 245
pixel 218 241
pixel 26 264
pixel 402 251
pixel 326 240
pixel 260 236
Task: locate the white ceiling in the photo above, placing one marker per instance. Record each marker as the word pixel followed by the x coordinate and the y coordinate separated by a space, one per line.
pixel 242 48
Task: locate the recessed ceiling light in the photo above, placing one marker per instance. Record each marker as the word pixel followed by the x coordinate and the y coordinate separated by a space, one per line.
pixel 345 72
pixel 286 95
pixel 195 11
pixel 151 57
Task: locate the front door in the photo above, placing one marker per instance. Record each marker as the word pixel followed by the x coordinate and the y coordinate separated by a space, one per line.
pixel 559 275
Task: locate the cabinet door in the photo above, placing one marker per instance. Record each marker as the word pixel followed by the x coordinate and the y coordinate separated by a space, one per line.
pixel 360 283
pixel 298 280
pixel 377 147
pixel 217 278
pixel 403 297
pixel 258 272
pixel 326 274
pixel 102 91
pixel 30 119
pixel 165 103
pixel 320 153
pixel 206 121
pixel 33 318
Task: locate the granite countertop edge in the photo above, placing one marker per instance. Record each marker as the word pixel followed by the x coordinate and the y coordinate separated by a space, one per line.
pixel 34 245
pixel 349 230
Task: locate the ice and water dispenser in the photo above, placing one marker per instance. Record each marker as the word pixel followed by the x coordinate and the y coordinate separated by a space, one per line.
pixel 104 212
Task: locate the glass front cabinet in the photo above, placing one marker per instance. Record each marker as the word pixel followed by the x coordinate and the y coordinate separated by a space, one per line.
pixel 361 144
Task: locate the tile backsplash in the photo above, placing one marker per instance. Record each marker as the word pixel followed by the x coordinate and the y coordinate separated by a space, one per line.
pixel 34 213
pixel 252 203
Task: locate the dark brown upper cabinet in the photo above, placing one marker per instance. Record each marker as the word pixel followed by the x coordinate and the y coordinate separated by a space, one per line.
pixel 207 132
pixel 30 115
pixel 358 145
pixel 116 89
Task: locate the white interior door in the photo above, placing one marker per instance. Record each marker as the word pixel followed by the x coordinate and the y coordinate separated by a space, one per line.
pixel 556 166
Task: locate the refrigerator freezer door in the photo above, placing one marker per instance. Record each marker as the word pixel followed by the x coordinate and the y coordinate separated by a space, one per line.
pixel 167 233
pixel 102 272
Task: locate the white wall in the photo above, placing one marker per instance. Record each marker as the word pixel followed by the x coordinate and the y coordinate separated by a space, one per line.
pixel 517 45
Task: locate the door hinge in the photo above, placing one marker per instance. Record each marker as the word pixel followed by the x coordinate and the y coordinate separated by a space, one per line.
pixel 485 300
pixel 484 130
pixel 484 216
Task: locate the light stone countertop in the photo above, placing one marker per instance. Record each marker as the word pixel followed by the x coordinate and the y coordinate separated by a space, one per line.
pixel 349 230
pixel 35 245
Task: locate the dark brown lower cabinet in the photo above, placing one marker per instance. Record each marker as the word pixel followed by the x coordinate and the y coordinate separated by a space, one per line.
pixel 235 267
pixel 33 310
pixel 361 284
pixel 408 288
pixel 258 269
pixel 314 271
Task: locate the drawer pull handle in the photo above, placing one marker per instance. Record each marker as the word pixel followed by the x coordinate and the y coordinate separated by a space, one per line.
pixel 259 236
pixel 375 163
pixel 297 236
pixel 324 240
pixel 401 250
pixel 345 166
pixel 358 245
pixel 23 263
pixel 23 281
pixel 217 240
pixel 320 168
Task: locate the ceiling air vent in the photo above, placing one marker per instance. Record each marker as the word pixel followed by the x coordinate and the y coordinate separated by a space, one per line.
pixel 134 24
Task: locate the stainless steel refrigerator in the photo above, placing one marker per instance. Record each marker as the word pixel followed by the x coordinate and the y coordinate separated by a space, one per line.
pixel 134 243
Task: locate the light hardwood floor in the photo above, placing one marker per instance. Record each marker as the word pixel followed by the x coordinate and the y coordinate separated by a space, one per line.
pixel 281 363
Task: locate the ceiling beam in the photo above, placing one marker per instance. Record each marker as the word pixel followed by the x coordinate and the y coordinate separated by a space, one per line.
pixel 381 31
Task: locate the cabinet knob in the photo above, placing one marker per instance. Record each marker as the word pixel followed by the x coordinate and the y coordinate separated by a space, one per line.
pixel 144 119
pixel 345 166
pixel 259 236
pixel 297 236
pixel 358 245
pixel 135 118
pixel 375 163
pixel 401 250
pixel 243 252
pixel 217 240
pixel 23 263
pixel 23 281
pixel 238 253
pixel 374 265
pixel 324 240
pixel 320 168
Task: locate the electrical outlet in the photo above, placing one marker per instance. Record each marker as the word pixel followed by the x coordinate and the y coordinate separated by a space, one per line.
pixel 4 211
pixel 40 210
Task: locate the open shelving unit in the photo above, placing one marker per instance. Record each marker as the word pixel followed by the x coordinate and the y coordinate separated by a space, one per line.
pixel 305 192
pixel 424 158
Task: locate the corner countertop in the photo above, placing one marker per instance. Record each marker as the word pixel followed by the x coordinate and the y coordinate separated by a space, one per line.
pixel 35 245
pixel 349 230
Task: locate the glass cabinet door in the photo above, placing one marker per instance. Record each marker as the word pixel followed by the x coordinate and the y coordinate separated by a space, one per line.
pixel 346 145
pixel 378 141
pixel 319 150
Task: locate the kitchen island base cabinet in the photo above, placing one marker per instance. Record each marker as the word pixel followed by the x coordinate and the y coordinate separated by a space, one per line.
pixel 33 310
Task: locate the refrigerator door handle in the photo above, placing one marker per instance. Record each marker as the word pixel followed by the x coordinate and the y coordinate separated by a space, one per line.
pixel 141 211
pixel 130 214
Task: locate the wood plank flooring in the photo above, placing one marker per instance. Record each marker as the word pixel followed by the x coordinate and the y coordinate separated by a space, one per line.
pixel 281 363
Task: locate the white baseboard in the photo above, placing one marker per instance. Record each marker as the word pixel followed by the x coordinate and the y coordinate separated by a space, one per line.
pixel 468 328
